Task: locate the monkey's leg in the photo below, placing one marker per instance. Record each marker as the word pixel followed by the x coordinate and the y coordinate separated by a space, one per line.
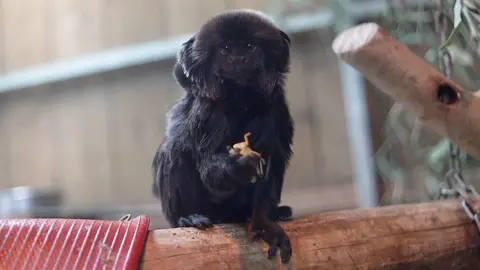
pixel 275 175
pixel 274 235
pixel 263 227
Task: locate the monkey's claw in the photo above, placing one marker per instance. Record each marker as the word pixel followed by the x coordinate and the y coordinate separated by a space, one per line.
pixel 196 221
pixel 276 238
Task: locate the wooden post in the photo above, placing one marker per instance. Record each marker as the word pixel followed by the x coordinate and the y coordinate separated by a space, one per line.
pixel 437 235
pixel 407 78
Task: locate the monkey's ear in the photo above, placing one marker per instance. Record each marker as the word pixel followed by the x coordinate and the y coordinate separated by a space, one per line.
pixel 285 37
pixel 193 72
pixel 185 50
pixel 190 41
pixel 180 76
pixel 180 71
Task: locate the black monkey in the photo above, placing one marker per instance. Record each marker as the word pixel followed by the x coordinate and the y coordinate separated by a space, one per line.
pixel 233 72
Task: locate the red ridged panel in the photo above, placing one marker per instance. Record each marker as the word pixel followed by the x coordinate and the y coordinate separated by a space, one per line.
pixel 71 243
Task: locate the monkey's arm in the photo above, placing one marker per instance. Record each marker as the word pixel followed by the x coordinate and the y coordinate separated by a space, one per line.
pixel 283 154
pixel 278 151
pixel 268 191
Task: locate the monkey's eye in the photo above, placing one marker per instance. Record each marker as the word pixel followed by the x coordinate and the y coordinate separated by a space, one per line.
pixel 224 49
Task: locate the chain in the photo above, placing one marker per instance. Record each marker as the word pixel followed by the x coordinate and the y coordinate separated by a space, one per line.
pixel 471 213
pixel 453 178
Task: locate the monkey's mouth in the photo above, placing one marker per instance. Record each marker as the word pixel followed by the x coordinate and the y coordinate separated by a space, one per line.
pixel 237 72
pixel 237 78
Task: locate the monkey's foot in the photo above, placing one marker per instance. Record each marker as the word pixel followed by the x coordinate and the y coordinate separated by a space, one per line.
pixel 282 213
pixel 196 221
pixel 276 238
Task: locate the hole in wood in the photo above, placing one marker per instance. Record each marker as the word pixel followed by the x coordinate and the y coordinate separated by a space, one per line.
pixel 446 94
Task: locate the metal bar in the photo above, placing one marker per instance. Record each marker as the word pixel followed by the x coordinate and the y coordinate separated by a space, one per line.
pixel 358 127
pixel 349 13
pixel 104 61
pixel 127 56
pixel 364 8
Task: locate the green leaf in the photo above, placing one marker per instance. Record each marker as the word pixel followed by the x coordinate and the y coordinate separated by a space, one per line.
pixel 452 36
pixel 457 11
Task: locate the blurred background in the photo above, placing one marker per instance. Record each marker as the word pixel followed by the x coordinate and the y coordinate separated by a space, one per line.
pixel 85 86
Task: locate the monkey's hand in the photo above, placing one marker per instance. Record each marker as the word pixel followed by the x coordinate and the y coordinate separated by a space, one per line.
pixel 242 167
pixel 243 148
pixel 275 236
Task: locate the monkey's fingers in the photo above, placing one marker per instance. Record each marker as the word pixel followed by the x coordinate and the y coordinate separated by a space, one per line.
pixel 256 235
pixel 280 241
pixel 276 238
pixel 285 250
pixel 260 170
pixel 255 154
pixel 252 161
pixel 272 250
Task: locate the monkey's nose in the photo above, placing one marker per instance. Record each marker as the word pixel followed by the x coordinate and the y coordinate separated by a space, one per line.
pixel 232 59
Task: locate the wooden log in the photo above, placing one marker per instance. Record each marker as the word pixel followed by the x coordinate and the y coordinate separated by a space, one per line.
pixel 437 235
pixel 395 70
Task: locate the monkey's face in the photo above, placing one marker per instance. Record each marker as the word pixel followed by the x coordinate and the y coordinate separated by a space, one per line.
pixel 238 60
pixel 239 47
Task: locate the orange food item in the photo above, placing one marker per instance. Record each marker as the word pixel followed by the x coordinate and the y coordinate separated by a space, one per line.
pixel 244 149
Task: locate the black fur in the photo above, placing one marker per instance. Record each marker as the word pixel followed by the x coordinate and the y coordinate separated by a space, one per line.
pixel 233 72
